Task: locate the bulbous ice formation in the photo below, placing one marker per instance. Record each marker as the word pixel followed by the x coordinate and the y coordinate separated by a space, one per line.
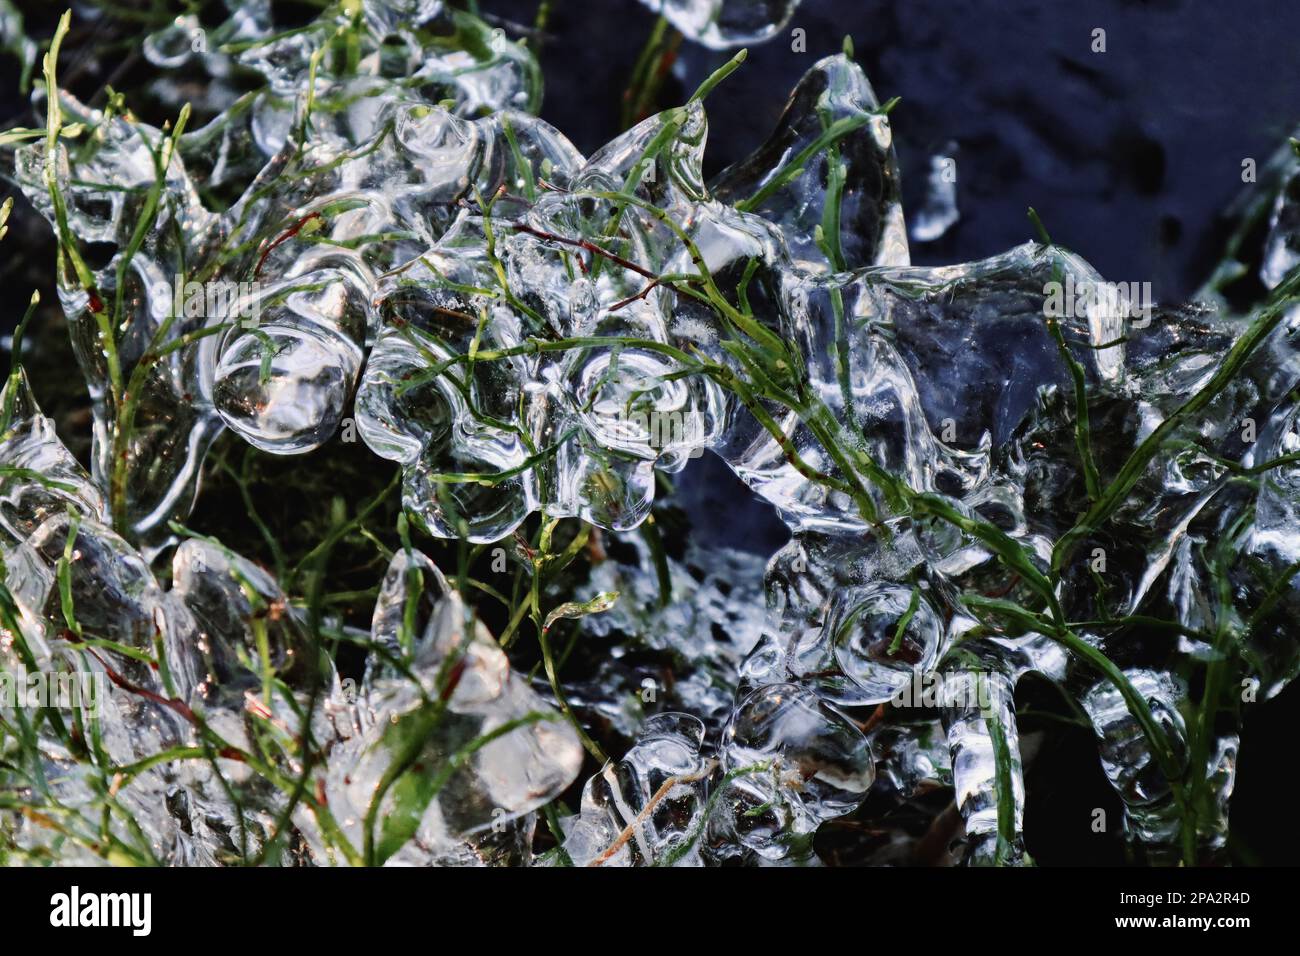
pixel 575 431
pixel 858 174
pixel 507 752
pixel 514 350
pixel 797 763
pixel 105 188
pixel 222 663
pixel 719 24
pixel 650 808
pixel 312 185
pixel 956 397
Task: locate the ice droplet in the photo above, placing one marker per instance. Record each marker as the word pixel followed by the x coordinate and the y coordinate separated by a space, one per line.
pixel 719 24
pixel 834 95
pixel 939 212
pixel 804 762
pixel 648 808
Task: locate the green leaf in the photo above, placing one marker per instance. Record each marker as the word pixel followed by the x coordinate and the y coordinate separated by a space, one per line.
pixel 412 786
pixel 574 609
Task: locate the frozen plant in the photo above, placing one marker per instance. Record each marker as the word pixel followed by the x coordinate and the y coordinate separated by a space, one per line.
pixel 985 476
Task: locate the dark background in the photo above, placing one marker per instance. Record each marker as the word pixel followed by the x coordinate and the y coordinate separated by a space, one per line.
pixel 1130 157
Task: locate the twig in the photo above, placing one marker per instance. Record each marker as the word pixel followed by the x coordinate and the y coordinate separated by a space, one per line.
pixel 588 246
pixel 649 808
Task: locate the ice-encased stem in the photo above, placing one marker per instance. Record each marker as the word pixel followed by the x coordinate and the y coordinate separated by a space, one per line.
pixel 980 722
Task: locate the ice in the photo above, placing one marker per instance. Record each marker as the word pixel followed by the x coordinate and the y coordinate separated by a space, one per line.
pixel 1282 244
pixel 958 380
pixel 506 752
pixel 981 722
pixel 934 372
pixel 240 664
pixel 797 762
pixel 283 387
pixel 445 55
pixel 989 470
pixel 835 623
pixel 912 758
pixel 644 656
pixel 310 156
pixel 1150 812
pixel 105 188
pixel 834 93
pixel 392 629
pixel 30 448
pixel 13 38
pixel 576 432
pixel 939 212
pixel 648 809
pixel 719 24
pixel 69 578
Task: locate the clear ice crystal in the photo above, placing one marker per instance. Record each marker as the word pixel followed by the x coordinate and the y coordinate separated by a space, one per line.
pixel 105 186
pixel 40 476
pixel 576 432
pixel 507 752
pixel 719 24
pixel 833 97
pixel 295 160
pixel 794 762
pixel 939 212
pixel 649 656
pixel 1126 757
pixel 649 808
pixel 955 379
pixel 239 664
pixel 1282 244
